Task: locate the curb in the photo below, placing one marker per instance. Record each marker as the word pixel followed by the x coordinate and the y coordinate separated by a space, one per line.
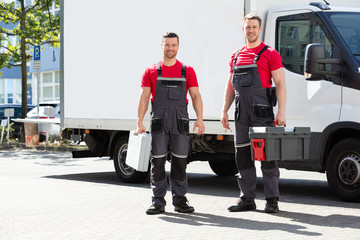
pixel 5 146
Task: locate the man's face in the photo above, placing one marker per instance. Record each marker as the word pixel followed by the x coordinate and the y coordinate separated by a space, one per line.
pixel 170 47
pixel 251 30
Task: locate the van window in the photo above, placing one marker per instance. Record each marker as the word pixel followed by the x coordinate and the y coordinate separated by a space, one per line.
pixel 294 33
pixel 293 36
pixel 349 32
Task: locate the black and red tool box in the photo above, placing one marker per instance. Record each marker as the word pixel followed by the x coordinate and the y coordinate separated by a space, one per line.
pixel 279 143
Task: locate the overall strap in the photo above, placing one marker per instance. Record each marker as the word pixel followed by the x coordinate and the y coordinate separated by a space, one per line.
pixel 159 69
pixel 183 71
pixel 235 58
pixel 258 55
pixel 255 59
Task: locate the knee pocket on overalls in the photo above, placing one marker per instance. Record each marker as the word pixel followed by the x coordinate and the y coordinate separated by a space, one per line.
pixel 158 169
pixel 243 158
pixel 178 168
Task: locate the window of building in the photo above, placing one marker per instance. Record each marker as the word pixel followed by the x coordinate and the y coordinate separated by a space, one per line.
pixel 289 50
pixel 10 90
pixel 50 86
pixel 57 85
pixel 17 91
pixel 292 32
pixel 2 90
pixel 303 50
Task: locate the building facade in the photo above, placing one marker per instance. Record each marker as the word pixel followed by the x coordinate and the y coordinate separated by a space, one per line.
pixel 48 86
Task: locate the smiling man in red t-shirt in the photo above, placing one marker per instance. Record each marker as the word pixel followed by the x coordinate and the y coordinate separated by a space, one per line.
pixel 168 83
pixel 251 71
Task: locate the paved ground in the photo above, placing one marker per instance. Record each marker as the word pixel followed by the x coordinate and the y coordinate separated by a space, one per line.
pixel 49 195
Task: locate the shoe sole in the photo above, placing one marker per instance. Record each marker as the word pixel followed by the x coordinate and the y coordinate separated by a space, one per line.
pixel 182 211
pixel 243 210
pixel 271 210
pixel 154 213
pixel 252 208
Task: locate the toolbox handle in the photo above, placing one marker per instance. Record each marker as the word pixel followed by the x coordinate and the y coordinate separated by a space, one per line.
pixel 276 122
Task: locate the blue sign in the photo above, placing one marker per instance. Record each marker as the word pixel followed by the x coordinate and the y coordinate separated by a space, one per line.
pixel 37 53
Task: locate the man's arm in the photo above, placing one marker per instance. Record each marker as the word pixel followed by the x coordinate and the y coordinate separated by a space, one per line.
pixel 198 107
pixel 228 100
pixel 142 108
pixel 279 79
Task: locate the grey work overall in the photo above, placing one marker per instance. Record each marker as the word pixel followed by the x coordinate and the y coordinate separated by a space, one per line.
pixel 169 130
pixel 252 109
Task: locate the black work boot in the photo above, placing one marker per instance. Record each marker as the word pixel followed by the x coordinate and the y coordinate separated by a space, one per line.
pixel 243 204
pixel 183 207
pixel 272 205
pixel 155 209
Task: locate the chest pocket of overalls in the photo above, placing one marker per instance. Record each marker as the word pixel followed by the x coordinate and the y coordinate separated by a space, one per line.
pixel 242 77
pixel 174 93
pixel 173 89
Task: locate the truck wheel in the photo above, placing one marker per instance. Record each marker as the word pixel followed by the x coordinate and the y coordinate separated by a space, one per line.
pixel 124 172
pixel 223 168
pixel 343 170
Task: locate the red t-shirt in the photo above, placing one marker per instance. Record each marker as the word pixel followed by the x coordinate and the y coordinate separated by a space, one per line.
pixel 150 76
pixel 269 60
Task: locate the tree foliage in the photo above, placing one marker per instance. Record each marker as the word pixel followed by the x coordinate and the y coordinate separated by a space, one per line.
pixel 23 26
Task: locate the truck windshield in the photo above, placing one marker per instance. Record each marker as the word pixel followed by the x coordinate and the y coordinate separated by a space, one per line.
pixel 348 25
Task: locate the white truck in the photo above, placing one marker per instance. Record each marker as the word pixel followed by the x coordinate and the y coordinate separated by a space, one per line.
pixel 106 46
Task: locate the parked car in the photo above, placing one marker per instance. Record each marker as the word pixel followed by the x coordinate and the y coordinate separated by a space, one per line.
pixel 17 114
pixel 53 129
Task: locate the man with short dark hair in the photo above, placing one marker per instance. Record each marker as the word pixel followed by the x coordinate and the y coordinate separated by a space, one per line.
pixel 249 83
pixel 168 82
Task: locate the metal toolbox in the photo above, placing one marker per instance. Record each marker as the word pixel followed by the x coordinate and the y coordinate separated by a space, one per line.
pixel 279 143
pixel 138 153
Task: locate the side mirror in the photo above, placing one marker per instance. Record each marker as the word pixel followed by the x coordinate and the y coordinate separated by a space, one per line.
pixel 315 60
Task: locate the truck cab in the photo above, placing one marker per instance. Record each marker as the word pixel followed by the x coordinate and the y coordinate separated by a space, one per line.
pixel 320 40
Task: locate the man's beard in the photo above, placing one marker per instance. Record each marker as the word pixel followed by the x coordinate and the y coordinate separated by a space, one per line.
pixel 170 55
pixel 254 39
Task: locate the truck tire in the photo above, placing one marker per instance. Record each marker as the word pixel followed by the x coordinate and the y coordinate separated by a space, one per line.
pixel 124 172
pixel 223 168
pixel 343 169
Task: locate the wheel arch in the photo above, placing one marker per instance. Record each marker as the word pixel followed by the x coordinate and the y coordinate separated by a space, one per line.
pixel 333 134
pixel 115 135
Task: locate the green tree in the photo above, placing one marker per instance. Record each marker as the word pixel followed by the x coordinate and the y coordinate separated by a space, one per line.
pixel 29 25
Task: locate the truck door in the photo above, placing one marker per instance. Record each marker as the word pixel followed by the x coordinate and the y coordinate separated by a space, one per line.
pixel 309 103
